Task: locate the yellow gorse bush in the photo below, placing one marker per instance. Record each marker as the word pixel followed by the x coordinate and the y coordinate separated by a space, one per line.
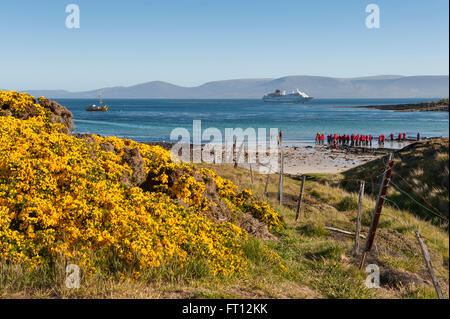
pixel 62 196
pixel 244 200
pixel 20 103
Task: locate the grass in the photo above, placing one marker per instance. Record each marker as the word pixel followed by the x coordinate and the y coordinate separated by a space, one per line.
pixel 313 261
pixel 308 247
pixel 420 181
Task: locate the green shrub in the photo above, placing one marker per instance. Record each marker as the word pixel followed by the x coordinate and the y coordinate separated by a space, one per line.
pixel 331 251
pixel 315 194
pixel 253 250
pixel 366 217
pixel 347 203
pixel 312 229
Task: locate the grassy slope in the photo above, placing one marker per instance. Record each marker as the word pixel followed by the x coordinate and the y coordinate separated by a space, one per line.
pixel 424 166
pixel 319 263
pixel 322 261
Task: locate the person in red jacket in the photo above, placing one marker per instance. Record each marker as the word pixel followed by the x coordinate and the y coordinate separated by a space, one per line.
pixel 404 136
pixel 382 138
pixel 399 136
pixel 392 136
pixel 370 139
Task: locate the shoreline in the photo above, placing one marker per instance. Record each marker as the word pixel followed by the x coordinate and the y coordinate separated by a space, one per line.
pixel 432 106
pixel 322 159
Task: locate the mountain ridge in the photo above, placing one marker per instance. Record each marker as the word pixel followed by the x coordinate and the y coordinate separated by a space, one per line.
pixel 378 86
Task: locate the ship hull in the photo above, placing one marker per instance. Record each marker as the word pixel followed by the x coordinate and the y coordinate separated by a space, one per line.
pixel 96 109
pixel 286 99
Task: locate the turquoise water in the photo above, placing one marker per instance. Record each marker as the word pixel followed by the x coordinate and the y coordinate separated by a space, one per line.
pixel 153 119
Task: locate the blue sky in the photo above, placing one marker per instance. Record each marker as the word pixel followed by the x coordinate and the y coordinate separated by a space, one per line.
pixel 189 42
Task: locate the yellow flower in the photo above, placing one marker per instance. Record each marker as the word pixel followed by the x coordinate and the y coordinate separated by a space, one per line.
pixel 63 196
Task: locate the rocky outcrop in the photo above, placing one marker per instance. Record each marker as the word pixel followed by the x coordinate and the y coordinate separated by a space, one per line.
pixel 88 138
pixel 58 113
pixel 5 112
pixel 29 108
pixel 107 147
pixel 132 156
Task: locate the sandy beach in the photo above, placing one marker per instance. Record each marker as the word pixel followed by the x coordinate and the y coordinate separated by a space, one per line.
pixel 323 159
pixel 301 159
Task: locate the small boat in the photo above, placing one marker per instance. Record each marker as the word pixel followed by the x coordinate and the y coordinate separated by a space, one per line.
pixel 99 107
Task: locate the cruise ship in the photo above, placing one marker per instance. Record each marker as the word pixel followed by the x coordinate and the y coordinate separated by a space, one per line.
pixel 295 96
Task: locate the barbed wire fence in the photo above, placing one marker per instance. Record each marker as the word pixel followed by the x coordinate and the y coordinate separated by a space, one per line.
pixel 413 194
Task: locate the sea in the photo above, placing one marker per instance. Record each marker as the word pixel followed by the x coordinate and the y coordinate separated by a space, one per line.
pixel 152 120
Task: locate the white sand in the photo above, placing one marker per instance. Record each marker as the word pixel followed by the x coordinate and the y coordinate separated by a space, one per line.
pixel 319 159
pixel 322 159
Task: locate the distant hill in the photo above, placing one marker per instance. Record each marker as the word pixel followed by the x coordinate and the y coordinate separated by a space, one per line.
pixel 382 86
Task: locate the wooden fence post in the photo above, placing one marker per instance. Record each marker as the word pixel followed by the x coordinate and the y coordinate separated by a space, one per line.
pixel 280 182
pixel 267 182
pixel 251 173
pixel 238 155
pixel 426 257
pixel 358 217
pixel 378 207
pixel 233 151
pixel 300 197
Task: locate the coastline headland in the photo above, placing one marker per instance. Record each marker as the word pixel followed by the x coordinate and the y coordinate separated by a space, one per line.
pixel 432 106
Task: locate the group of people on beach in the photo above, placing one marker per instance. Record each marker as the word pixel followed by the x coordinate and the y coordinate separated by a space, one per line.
pixel 356 139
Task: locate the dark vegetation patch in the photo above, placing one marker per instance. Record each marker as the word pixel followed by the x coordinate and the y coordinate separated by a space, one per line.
pixel 420 180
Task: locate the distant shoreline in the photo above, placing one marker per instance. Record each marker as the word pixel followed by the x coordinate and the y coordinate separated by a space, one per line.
pixel 433 106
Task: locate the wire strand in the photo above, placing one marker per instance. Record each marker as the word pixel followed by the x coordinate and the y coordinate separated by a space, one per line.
pixel 405 193
pixel 412 188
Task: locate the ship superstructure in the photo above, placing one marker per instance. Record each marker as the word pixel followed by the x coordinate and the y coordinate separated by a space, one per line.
pixel 282 96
